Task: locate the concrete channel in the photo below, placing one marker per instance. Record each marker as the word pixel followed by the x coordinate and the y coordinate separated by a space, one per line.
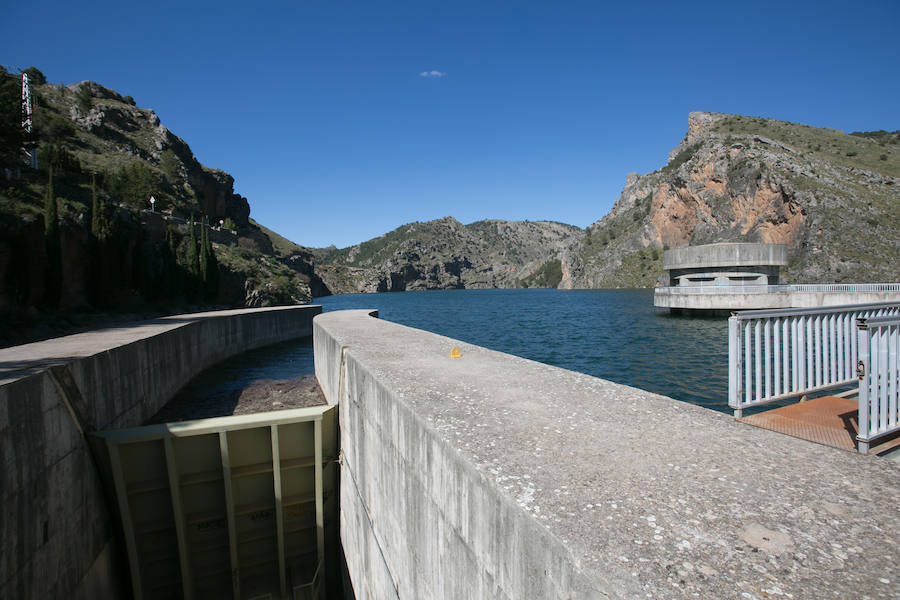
pixel 59 525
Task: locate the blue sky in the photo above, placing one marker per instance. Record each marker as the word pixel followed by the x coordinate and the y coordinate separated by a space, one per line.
pixel 525 110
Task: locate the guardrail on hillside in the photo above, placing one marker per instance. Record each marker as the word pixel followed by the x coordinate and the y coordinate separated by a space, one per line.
pixel 878 371
pixel 771 289
pixel 786 353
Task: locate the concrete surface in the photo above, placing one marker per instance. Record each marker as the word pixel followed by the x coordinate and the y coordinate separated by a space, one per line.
pixel 56 526
pixel 725 255
pixel 491 476
pixel 733 300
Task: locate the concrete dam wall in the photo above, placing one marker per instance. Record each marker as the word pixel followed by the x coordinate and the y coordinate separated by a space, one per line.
pixel 56 525
pixel 491 476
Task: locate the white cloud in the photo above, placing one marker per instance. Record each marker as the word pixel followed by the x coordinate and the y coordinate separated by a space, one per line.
pixel 433 74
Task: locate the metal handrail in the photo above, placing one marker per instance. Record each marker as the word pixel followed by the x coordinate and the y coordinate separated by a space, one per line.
pixel 786 353
pixel 878 371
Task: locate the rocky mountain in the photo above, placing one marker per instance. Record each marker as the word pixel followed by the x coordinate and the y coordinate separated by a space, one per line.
pixel 832 198
pixel 106 152
pixel 445 254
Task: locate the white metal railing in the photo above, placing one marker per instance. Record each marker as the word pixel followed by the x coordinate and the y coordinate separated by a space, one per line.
pixel 786 353
pixel 771 289
pixel 878 371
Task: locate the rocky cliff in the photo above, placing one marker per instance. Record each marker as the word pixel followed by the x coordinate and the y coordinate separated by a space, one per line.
pixel 445 254
pixel 104 148
pixel 108 133
pixel 832 198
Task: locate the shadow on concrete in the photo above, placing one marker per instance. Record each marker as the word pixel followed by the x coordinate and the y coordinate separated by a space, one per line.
pixel 81 347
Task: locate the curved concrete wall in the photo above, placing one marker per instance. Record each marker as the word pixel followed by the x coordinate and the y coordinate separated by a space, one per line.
pixel 732 301
pixel 725 255
pixel 491 476
pixel 56 527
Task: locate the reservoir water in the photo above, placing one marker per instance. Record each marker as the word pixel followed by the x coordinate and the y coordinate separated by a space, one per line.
pixel 613 334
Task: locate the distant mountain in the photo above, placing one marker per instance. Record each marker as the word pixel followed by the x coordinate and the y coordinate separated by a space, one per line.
pixel 445 254
pixel 105 151
pixel 832 198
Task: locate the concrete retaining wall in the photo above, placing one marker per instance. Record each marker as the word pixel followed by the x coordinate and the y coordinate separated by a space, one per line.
pixel 491 476
pixel 56 527
pixel 726 254
pixel 732 301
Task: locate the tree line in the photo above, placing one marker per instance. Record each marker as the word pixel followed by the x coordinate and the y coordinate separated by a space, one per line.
pixel 91 241
pixel 126 263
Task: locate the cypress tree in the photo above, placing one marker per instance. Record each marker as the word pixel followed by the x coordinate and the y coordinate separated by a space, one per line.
pixel 204 254
pixel 93 245
pixel 172 268
pixel 194 277
pixel 96 217
pixel 193 252
pixel 53 289
pixel 211 268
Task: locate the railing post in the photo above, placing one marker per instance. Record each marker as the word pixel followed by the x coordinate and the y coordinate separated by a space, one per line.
pixel 735 354
pixel 862 373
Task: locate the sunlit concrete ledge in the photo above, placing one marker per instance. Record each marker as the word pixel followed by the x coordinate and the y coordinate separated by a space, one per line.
pixel 56 526
pixel 491 476
pixel 754 297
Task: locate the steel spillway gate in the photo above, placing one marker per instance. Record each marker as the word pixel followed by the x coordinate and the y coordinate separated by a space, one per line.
pixel 226 507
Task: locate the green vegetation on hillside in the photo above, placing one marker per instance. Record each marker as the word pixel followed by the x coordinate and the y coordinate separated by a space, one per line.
pixel 639 269
pixel 103 249
pixel 548 275
pixel 371 250
pixel 282 245
pixel 872 151
pixel 682 157
pixel 881 136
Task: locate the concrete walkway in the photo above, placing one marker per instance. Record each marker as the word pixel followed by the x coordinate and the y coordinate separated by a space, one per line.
pixel 17 362
pixel 57 527
pixel 827 420
pixel 650 497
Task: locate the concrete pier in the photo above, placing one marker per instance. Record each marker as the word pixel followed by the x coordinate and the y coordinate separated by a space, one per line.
pixel 57 527
pixel 726 299
pixel 491 476
pixel 725 264
pixel 726 277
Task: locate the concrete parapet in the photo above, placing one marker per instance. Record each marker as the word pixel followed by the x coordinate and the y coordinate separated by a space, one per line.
pixel 712 299
pixel 56 527
pixel 725 255
pixel 491 476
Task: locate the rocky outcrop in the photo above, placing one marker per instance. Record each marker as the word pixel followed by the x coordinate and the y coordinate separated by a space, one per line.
pixel 112 131
pixel 445 254
pixel 832 198
pixel 101 142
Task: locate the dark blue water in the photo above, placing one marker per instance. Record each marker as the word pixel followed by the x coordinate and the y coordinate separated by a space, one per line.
pixel 614 334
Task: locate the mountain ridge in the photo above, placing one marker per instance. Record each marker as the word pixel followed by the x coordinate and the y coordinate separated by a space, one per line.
pixel 832 198
pixel 108 157
pixel 445 254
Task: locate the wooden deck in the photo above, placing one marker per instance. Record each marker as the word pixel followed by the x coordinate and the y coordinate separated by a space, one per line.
pixel 827 420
